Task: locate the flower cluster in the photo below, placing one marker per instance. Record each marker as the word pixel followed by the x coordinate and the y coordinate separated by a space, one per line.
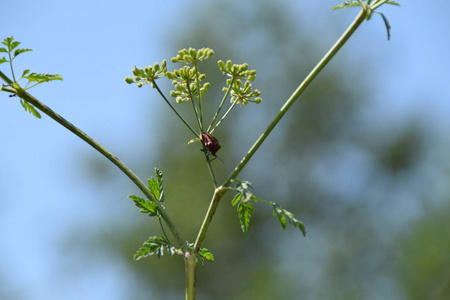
pixel 148 74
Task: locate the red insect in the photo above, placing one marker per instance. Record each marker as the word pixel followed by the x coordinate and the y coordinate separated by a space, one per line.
pixel 211 144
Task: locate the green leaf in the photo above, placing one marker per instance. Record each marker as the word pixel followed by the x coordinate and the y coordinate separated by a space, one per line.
pixel 10 43
pixel 30 108
pixel 279 213
pixel 236 199
pixel 3 60
pixel 155 245
pixel 284 215
pixel 393 3
pixel 244 188
pixel 3 50
pixel 19 51
pixel 156 185
pixel 386 23
pixel 245 210
pixel 146 206
pixel 42 77
pixel 205 255
pixel 347 4
pixel 25 72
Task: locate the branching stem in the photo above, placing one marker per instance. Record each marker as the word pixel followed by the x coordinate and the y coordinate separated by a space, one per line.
pixel 221 190
pixel 52 114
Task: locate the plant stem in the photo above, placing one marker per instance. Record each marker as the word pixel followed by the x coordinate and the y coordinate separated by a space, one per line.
pixel 224 116
pixel 211 171
pixel 190 263
pixel 312 75
pixel 221 104
pixel 52 114
pixel 200 110
pixel 220 191
pixel 200 126
pixel 175 111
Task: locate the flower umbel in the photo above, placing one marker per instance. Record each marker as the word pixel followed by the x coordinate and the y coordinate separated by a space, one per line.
pixel 148 74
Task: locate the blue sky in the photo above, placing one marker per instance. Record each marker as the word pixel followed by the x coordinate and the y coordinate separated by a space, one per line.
pixel 94 45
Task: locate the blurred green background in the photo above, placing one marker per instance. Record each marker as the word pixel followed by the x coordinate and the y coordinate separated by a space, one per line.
pixel 361 159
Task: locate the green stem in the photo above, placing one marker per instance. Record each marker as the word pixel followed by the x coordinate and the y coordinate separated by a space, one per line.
pixel 11 66
pixel 218 193
pixel 224 116
pixel 377 4
pixel 221 190
pixel 197 81
pixel 6 79
pixel 211 171
pixel 312 75
pixel 175 111
pixel 221 104
pixel 190 263
pixel 194 107
pixel 52 114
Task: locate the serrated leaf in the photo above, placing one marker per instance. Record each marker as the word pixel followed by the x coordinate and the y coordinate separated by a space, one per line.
pixel 3 50
pixel 205 255
pixel 42 77
pixel 146 206
pixel 278 212
pixel 156 185
pixel 283 215
pixel 19 51
pixel 245 189
pixel 12 45
pixel 236 199
pixel 393 3
pixel 245 210
pixel 160 179
pixel 30 108
pixel 347 4
pixel 3 60
pixel 7 41
pixel 155 245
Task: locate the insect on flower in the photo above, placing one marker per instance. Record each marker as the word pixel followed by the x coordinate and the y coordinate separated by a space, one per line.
pixel 211 144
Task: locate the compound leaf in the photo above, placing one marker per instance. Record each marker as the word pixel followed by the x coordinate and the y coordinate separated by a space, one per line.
pixel 156 185
pixel 393 3
pixel 155 245
pixel 146 206
pixel 205 255
pixel 347 4
pixel 283 215
pixel 42 77
pixel 245 210
pixel 19 51
pixel 30 108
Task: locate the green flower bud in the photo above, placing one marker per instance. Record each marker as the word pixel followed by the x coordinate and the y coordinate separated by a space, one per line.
pixel 257 100
pixel 129 80
pixel 229 65
pixel 170 75
pixel 221 65
pixel 135 71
